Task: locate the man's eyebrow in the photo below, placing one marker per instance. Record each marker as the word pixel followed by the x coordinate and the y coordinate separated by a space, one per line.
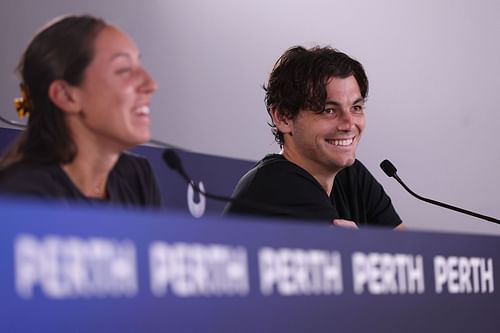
pixel 335 103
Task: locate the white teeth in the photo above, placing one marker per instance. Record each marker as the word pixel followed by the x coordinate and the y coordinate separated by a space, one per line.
pixel 142 110
pixel 346 142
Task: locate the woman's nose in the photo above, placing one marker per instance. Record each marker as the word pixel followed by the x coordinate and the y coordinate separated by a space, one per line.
pixel 148 85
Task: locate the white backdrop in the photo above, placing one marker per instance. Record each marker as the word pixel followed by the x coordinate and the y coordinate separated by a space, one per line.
pixel 433 65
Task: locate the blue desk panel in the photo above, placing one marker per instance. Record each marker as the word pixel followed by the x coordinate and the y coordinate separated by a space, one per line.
pixel 101 269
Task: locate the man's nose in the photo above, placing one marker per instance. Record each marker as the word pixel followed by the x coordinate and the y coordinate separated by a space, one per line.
pixel 345 120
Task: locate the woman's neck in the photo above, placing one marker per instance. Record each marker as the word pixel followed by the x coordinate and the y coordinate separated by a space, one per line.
pixel 89 172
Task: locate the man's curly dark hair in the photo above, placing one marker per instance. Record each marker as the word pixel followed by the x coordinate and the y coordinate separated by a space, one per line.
pixel 299 78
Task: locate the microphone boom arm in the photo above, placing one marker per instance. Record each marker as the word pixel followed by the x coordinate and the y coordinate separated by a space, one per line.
pixel 445 205
pixel 391 171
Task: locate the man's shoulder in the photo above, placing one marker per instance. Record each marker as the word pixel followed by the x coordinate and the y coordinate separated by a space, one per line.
pixel 284 188
pixel 277 168
pixel 272 161
pixel 275 175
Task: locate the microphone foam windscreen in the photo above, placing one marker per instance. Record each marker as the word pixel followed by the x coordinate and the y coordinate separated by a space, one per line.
pixel 172 159
pixel 389 168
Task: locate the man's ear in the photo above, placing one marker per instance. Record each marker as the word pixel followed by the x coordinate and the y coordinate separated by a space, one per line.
pixel 282 122
pixel 64 96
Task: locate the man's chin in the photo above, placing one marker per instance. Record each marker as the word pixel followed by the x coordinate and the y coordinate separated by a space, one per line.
pixel 346 162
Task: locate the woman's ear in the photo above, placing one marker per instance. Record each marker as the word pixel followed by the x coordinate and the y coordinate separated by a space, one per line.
pixel 282 122
pixel 64 96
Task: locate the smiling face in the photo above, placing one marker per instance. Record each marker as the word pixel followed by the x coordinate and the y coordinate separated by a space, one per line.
pixel 325 142
pixel 114 96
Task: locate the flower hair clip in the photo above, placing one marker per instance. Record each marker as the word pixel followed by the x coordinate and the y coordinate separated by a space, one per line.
pixel 23 104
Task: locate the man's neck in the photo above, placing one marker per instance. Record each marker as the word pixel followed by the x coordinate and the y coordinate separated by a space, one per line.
pixel 323 177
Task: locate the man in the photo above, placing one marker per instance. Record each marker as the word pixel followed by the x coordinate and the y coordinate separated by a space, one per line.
pixel 316 100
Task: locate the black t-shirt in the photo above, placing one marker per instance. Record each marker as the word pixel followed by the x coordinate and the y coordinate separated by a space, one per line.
pixel 131 182
pixel 277 187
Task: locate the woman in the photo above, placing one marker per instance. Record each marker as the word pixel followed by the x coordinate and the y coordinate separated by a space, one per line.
pixel 87 97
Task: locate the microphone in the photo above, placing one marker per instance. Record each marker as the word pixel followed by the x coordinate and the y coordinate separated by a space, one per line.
pixel 391 171
pixel 174 162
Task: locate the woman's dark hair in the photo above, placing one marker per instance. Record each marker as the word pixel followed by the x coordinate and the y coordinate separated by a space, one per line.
pixel 60 51
pixel 299 78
